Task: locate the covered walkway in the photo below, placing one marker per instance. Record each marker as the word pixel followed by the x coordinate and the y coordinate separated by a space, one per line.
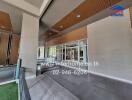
pixel 77 87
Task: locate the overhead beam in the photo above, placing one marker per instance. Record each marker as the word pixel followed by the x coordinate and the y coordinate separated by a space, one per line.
pixel 44 6
pixel 29 8
pixel 23 5
pixel 103 14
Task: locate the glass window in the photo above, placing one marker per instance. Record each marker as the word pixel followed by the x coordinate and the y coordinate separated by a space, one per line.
pixel 41 53
pixel 72 51
pixel 83 42
pixel 52 51
pixel 83 54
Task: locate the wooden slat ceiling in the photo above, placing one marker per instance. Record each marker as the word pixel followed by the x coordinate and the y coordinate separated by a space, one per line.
pixel 85 10
pixel 14 48
pixel 3 47
pixel 77 34
pixel 5 22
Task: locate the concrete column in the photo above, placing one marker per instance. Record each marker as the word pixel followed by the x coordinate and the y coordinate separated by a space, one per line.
pixel 29 42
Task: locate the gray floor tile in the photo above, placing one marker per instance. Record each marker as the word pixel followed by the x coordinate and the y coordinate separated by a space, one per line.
pixel 93 87
pixel 45 88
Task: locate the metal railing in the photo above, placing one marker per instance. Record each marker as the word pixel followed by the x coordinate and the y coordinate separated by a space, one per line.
pixel 20 76
pixel 17 74
pixel 24 91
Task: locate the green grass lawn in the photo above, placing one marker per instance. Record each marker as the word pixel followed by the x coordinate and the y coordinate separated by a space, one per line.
pixel 9 91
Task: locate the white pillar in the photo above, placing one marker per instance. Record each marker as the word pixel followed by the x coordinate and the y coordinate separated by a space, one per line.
pixel 29 42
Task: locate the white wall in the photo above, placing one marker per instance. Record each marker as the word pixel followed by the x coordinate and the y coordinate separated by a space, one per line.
pixel 29 41
pixel 110 43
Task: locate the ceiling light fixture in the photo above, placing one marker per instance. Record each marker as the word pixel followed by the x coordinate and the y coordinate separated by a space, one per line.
pixel 78 16
pixel 61 26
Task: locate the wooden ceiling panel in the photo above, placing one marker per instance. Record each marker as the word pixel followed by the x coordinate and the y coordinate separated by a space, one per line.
pixel 71 18
pixel 49 33
pixel 5 22
pixel 14 48
pixel 77 34
pixel 87 9
pixel 114 1
pixel 3 47
pixel 101 5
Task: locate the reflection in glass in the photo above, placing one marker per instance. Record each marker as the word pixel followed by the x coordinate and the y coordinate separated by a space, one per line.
pixel 75 51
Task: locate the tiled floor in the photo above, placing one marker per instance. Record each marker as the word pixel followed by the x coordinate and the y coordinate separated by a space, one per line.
pixel 77 87
pixel 92 87
pixel 45 88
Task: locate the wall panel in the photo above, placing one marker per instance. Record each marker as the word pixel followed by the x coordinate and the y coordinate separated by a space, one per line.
pixel 68 37
pixel 3 47
pixel 14 48
pixel 5 22
pixel 110 44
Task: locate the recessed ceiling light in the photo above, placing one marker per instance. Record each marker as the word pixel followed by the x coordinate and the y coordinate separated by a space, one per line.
pixel 61 26
pixel 78 16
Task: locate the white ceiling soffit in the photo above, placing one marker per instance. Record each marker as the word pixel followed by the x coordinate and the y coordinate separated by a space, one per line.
pixel 58 10
pixel 23 5
pixel 15 12
pixel 44 6
pixel 28 7
pixel 15 15
pixel 36 3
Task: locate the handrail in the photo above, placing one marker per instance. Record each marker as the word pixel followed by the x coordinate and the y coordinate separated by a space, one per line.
pixel 24 91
